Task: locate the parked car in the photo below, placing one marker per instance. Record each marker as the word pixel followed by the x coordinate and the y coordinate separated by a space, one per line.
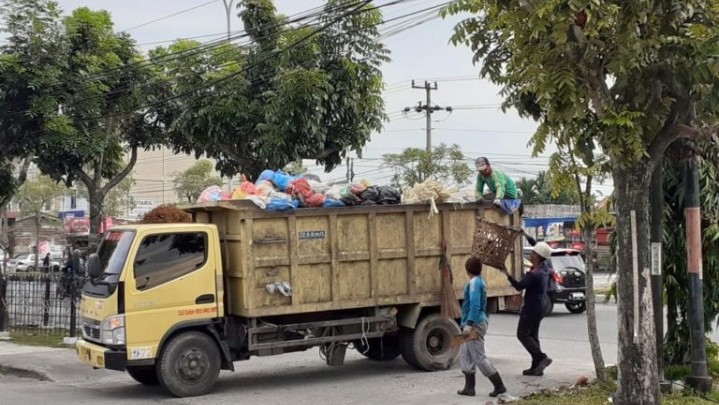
pixel 26 262
pixel 567 280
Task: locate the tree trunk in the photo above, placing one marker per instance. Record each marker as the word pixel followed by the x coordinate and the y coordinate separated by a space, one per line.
pixel 637 356
pixel 96 203
pixel 591 307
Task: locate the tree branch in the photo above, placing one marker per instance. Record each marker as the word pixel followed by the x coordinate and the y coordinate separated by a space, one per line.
pixel 671 133
pixel 85 178
pixel 120 176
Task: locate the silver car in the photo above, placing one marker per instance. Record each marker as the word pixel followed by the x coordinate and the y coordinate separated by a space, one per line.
pixel 26 262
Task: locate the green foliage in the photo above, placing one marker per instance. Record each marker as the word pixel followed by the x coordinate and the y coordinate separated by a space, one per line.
pixel 31 63
pixel 627 77
pixel 444 163
pixel 297 92
pixel 36 195
pixel 190 183
pixel 76 97
pixel 539 191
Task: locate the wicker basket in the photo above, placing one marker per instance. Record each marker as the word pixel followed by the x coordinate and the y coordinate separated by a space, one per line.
pixel 493 242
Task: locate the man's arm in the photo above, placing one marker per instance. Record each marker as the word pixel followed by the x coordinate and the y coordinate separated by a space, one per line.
pixel 528 280
pixel 479 187
pixel 501 188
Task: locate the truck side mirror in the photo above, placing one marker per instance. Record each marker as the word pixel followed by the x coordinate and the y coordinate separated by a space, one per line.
pixel 93 266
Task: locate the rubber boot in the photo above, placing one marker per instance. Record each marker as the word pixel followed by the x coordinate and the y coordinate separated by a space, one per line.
pixel 499 387
pixel 469 382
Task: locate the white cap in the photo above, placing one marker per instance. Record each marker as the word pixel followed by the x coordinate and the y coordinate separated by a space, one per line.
pixel 542 249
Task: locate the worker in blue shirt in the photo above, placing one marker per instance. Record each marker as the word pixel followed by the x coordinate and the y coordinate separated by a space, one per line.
pixel 474 319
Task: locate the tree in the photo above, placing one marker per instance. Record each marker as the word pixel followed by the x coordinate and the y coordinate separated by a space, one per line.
pixel 414 165
pixel 539 191
pixel 190 183
pixel 35 198
pixel 118 200
pixel 575 166
pixel 110 103
pixel 31 63
pixel 309 91
pixel 641 73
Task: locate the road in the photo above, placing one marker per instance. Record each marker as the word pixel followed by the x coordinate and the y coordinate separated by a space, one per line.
pixel 303 378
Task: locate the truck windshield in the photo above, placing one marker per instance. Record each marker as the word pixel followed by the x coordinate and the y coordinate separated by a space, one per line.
pixel 112 253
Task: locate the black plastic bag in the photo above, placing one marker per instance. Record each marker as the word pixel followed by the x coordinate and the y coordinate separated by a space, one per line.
pixel 388 195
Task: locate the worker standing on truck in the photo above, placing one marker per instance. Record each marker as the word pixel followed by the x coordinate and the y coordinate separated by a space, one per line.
pixel 503 190
pixel 535 283
pixel 474 319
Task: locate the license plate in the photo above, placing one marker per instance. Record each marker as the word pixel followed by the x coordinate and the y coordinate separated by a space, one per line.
pixel 576 296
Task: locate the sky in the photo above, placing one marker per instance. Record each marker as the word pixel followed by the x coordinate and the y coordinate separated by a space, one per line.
pixel 477 123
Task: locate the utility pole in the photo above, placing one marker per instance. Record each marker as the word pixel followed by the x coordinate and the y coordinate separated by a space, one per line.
pixel 228 12
pixel 350 169
pixel 428 108
pixel 698 379
pixel 656 203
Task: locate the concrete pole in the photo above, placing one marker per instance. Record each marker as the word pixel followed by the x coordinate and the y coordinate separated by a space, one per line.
pixel 698 380
pixel 656 203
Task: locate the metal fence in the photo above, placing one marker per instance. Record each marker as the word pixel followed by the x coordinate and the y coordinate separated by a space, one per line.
pixel 40 304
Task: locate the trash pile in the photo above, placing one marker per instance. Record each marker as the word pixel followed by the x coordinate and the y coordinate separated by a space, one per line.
pixel 279 191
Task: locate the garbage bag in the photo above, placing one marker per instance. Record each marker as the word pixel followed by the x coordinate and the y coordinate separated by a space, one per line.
pixel 281 180
pixel 332 202
pixel 350 200
pixel 300 188
pixel 388 195
pixel 266 175
pixel 371 193
pixel 278 204
pixel 314 200
pixel 212 193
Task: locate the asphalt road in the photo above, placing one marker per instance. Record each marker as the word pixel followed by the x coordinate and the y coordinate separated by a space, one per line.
pixel 303 378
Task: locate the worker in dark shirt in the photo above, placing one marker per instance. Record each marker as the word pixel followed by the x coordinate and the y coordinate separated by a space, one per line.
pixel 534 283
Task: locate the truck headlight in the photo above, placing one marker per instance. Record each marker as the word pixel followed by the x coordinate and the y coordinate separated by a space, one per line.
pixel 113 330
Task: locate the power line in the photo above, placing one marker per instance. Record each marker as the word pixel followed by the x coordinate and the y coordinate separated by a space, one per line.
pixel 169 16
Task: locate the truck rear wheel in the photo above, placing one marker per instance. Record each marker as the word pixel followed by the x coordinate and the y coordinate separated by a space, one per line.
pixel 189 365
pixel 146 375
pixel 380 349
pixel 427 347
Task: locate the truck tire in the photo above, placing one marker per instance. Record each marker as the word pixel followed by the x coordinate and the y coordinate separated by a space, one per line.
pixel 146 375
pixel 427 347
pixel 576 307
pixel 548 306
pixel 380 349
pixel 189 365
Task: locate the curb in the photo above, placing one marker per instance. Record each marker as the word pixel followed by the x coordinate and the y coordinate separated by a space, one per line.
pixel 24 373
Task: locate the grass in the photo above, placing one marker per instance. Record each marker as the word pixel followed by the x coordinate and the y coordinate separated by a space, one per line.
pixel 597 394
pixel 48 340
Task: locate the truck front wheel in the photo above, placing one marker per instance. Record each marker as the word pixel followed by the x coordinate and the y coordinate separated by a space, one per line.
pixel 189 365
pixel 146 375
pixel 427 347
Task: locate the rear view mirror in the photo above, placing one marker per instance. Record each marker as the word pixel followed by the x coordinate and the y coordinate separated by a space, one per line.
pixel 94 270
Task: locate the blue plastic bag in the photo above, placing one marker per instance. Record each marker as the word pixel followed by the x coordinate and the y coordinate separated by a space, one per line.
pixel 281 180
pixel 331 202
pixel 264 176
pixel 279 204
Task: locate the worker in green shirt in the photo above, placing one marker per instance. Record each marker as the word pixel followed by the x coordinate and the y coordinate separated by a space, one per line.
pixel 498 182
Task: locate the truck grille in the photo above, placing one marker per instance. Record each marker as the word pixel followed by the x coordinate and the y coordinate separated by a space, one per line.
pixel 90 329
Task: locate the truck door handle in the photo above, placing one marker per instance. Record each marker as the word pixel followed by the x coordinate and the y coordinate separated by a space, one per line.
pixel 205 299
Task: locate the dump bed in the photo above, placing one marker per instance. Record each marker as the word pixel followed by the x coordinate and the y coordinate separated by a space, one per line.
pixel 339 258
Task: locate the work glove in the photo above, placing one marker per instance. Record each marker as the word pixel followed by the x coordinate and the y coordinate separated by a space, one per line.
pixel 467 329
pixel 497 202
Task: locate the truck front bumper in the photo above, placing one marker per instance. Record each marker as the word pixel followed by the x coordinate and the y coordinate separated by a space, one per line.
pixel 101 357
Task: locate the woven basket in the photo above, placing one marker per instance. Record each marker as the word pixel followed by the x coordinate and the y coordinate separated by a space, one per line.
pixel 493 242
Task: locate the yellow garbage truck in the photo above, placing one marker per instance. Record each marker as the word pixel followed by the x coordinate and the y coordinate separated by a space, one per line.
pixel 173 304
